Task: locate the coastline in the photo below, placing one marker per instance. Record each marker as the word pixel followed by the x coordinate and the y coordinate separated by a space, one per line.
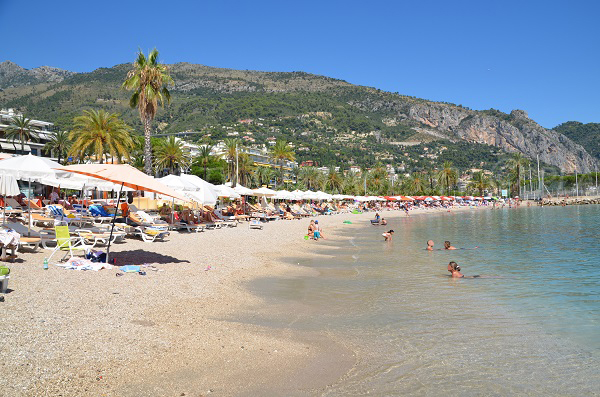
pixel 173 331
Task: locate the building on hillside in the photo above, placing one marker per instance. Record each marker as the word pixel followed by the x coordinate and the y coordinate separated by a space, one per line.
pixel 309 163
pixel 355 169
pixel 324 170
pixel 43 129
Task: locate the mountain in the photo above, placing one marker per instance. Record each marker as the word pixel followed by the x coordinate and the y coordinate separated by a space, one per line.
pixel 329 120
pixel 587 135
pixel 13 75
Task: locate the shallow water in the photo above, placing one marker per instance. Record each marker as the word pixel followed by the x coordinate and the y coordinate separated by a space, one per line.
pixel 531 328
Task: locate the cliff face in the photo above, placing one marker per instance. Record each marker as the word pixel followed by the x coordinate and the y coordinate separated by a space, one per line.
pixel 515 133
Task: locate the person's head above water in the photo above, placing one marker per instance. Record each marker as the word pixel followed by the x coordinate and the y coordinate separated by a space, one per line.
pixel 429 245
pixel 453 266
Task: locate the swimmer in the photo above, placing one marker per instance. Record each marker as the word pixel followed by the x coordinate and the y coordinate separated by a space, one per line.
pixel 388 235
pixel 448 246
pixel 429 245
pixel 454 270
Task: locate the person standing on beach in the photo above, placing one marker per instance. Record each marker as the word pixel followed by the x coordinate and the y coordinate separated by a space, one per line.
pixel 429 245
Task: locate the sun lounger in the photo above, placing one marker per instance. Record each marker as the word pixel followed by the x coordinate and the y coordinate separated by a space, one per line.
pixel 31 241
pixel 255 224
pixel 150 234
pixel 41 220
pixel 189 227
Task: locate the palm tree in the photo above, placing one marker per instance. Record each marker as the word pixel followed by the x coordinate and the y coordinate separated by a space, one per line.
pixel 352 184
pixel 480 182
pixel 148 80
pixel 205 157
pixel 517 164
pixel 333 181
pixel 377 180
pixel 447 176
pixel 311 177
pixel 263 175
pixel 232 150
pixel 98 132
pixel 59 143
pixel 20 129
pixel 280 152
pixel 169 154
pixel 415 184
pixel 245 168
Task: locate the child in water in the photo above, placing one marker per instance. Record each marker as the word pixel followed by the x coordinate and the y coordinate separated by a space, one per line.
pixel 388 235
pixel 429 245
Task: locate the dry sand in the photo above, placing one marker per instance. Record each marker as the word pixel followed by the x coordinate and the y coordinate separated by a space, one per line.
pixel 173 332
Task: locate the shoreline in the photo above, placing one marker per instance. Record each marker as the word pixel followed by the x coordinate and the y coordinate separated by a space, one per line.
pixel 173 331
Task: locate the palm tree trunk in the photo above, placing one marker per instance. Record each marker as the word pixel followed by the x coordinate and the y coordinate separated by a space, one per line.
pixel 147 146
pixel 204 172
pixel 22 145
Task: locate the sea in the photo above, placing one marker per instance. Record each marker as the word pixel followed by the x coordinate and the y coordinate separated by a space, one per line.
pixel 529 325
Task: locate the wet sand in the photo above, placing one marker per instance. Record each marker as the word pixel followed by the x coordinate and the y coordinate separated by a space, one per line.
pixel 174 331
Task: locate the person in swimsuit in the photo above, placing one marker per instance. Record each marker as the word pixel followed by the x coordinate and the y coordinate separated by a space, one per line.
pixel 388 235
pixel 454 270
pixel 448 246
pixel 311 229
pixel 429 245
pixel 383 222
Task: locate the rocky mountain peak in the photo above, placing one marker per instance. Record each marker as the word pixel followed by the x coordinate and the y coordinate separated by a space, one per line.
pixel 519 114
pixel 12 75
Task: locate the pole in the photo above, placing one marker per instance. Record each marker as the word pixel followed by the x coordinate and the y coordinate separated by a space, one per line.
pixel 539 176
pixel 29 211
pixel 237 176
pixel 576 185
pixel 530 182
pixel 112 225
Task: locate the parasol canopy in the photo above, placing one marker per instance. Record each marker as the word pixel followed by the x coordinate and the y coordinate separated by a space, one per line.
pixel 123 174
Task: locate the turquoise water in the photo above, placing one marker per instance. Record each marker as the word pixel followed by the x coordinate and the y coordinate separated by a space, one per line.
pixel 529 326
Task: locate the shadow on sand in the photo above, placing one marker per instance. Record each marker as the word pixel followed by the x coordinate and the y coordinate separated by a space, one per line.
pixel 138 257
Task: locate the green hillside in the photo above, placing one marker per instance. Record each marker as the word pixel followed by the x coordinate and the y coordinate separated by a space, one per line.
pixel 587 135
pixel 328 120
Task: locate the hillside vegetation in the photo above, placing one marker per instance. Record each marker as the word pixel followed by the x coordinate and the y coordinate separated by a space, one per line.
pixel 328 120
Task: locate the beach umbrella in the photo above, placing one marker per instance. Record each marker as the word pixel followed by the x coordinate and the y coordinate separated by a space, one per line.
pixel 284 195
pixel 205 192
pixel 124 175
pixel 31 168
pixel 226 191
pixel 264 192
pixel 178 183
pixel 243 191
pixel 8 187
pixel 309 195
pixel 428 198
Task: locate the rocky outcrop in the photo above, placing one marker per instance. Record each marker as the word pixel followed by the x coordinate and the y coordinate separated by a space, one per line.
pixel 13 75
pixel 512 133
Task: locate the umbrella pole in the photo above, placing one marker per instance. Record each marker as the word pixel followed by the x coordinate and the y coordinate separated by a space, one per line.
pixel 29 211
pixel 112 225
pixel 173 212
pixel 4 210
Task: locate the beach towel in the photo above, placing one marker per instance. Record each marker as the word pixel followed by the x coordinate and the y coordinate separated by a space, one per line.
pixel 9 237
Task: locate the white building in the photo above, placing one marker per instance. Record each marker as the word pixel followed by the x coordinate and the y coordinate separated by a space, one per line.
pixel 43 129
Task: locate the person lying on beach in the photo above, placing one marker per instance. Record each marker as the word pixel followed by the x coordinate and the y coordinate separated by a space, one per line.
pixel 429 245
pixel 388 235
pixel 448 246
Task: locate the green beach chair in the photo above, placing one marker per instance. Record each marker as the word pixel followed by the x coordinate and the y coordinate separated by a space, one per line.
pixel 67 243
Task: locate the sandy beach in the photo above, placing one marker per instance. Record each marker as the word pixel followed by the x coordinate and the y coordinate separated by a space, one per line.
pixel 173 332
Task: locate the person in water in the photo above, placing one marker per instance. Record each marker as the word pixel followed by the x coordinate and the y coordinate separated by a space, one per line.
pixel 429 245
pixel 383 222
pixel 454 270
pixel 448 246
pixel 388 235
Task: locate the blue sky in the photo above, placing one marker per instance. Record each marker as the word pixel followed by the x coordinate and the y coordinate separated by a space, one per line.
pixel 541 56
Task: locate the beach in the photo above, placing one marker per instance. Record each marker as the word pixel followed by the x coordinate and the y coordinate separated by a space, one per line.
pixel 266 312
pixel 173 331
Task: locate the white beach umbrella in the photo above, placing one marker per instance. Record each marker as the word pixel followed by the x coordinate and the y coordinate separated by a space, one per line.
pixel 31 168
pixel 264 192
pixel 308 195
pixel 242 190
pixel 8 187
pixel 205 193
pixel 283 195
pixel 177 183
pixel 226 191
